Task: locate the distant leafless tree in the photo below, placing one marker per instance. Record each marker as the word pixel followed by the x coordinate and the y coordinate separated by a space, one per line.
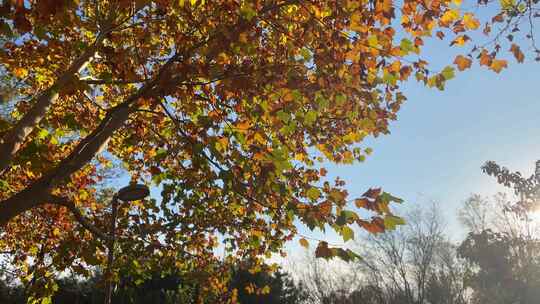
pixel 327 282
pixel 415 264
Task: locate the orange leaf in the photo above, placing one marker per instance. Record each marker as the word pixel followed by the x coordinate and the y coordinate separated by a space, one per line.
pixel 462 62
pixel 460 40
pixel 371 227
pixel 470 22
pixel 361 203
pixel 498 64
pixel 485 58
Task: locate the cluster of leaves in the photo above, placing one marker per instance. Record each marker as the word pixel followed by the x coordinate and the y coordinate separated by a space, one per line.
pixel 230 107
pixel 526 189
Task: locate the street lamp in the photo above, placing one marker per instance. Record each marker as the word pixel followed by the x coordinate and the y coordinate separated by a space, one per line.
pixel 129 193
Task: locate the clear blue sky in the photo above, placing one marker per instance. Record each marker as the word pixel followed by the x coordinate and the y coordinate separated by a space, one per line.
pixel 441 138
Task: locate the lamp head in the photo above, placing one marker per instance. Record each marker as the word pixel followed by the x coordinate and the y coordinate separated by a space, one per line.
pixel 133 192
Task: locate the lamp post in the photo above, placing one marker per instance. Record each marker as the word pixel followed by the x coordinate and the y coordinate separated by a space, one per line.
pixel 129 193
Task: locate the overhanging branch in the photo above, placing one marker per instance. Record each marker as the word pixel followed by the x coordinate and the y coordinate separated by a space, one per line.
pixel 62 201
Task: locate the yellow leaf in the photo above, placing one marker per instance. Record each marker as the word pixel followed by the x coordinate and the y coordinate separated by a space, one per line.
pixel 265 289
pixel 460 40
pixel 449 16
pixel 223 142
pixel 356 22
pixel 498 64
pixel 288 96
pixel 304 243
pixel 470 22
pixel 259 138
pixel 250 289
pixel 20 72
pixel 313 193
pixel 257 233
pixel 507 4
pixel 243 127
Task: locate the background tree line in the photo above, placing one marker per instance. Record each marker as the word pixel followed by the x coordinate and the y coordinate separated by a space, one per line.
pixel 498 261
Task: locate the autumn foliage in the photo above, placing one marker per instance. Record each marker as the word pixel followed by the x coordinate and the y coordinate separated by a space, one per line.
pixel 231 108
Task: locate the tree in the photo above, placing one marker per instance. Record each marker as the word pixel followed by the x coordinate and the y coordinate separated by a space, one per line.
pixel 507 267
pixel 502 243
pixel 261 287
pixel 326 282
pixel 265 288
pixel 221 104
pixel 415 264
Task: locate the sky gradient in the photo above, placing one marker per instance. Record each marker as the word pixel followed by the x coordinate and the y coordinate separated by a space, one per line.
pixel 441 138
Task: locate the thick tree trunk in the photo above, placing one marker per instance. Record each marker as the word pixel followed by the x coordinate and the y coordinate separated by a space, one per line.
pixel 14 138
pixel 38 192
pixel 21 202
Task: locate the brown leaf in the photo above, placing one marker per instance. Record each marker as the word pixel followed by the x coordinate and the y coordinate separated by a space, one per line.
pixel 372 193
pixel 518 54
pixel 323 251
pixel 22 24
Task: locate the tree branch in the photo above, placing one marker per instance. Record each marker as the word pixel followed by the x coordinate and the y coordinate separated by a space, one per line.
pixel 36 193
pixel 103 81
pixel 12 141
pixel 62 201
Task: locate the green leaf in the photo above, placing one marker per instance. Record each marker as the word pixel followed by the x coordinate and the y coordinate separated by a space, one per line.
pixel 5 29
pixel 391 221
pixel 306 54
pixel 373 41
pixel 389 78
pixel 346 216
pixel 353 255
pixel 321 101
pixel 313 193
pixel 283 116
pixel 160 154
pixel 406 45
pixel 448 73
pixel 340 99
pixel 43 133
pixel 310 117
pixel 347 233
pixel 387 197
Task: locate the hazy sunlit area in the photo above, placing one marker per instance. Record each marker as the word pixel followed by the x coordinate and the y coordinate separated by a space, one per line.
pixel 269 151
